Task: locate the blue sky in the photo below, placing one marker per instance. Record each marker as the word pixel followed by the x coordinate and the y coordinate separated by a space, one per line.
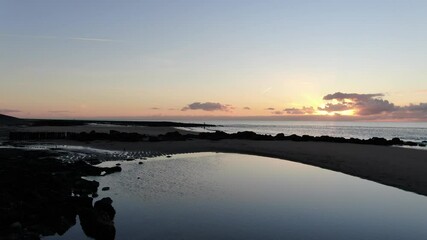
pixel 149 58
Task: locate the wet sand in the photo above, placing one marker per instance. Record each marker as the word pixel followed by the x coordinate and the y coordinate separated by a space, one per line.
pixel 394 166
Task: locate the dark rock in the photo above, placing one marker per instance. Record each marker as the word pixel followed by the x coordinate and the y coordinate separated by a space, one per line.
pixel 105 205
pixel 98 221
pixel 140 163
pixel 153 139
pixel 396 141
pixel 173 136
pixel 412 144
pixel 105 188
pixel 280 136
pixel 40 195
pixel 16 227
pixel 82 186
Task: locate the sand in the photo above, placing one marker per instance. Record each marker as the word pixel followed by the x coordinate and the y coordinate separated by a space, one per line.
pixel 394 166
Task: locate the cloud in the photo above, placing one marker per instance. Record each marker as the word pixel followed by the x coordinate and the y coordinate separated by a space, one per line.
pixel 246 108
pixel 207 106
pixel 362 104
pixel 422 107
pixel 270 109
pixel 155 108
pixel 277 112
pixel 330 107
pixel 299 111
pixel 353 96
pixel 266 91
pixel 9 111
pixel 411 111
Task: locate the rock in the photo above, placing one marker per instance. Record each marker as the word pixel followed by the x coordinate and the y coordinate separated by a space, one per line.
pixel 98 221
pixel 105 188
pixel 15 227
pixel 396 141
pixel 280 136
pixel 140 163
pixel 118 164
pixel 105 205
pixel 83 186
pixel 41 195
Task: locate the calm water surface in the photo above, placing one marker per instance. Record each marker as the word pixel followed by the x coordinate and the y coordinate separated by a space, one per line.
pixel 408 131
pixel 231 196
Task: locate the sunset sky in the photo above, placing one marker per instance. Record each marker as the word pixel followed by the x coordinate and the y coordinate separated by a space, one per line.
pixel 294 60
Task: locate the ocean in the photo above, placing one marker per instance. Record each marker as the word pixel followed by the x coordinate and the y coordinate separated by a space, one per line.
pixel 407 131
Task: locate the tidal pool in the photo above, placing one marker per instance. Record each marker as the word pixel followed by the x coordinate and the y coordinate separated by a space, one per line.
pixel 234 196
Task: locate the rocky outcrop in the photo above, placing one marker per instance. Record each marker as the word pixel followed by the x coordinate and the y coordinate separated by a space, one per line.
pixel 218 135
pixel 98 221
pixel 40 195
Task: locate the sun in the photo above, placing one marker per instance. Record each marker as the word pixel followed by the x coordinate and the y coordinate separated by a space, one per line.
pixel 350 112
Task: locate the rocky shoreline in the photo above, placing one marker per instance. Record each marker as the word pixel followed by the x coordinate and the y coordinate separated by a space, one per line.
pixel 218 135
pixel 41 196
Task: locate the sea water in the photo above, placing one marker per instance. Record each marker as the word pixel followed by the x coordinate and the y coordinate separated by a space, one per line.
pixel 407 131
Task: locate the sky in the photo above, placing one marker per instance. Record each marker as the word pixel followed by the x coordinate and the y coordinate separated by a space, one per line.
pixel 290 60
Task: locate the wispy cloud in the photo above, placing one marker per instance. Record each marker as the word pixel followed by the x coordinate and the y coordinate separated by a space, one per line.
pixel 266 91
pixel 89 39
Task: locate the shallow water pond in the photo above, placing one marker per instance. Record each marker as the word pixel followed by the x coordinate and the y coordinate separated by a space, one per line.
pixel 233 196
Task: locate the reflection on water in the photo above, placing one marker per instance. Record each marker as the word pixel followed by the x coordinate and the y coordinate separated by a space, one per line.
pixel 408 131
pixel 231 196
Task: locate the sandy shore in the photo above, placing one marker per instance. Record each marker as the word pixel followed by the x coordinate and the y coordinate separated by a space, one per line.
pixel 394 166
pixel 399 167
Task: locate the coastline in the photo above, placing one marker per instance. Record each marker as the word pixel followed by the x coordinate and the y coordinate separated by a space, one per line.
pixel 402 168
pixel 394 166
pixel 399 167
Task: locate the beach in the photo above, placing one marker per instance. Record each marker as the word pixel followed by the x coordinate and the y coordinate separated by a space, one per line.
pixel 394 166
pixel 399 167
